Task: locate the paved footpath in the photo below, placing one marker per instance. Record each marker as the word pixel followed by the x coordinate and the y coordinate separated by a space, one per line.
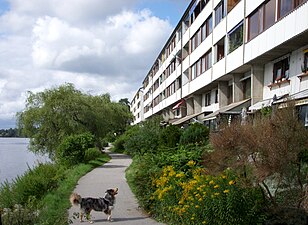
pixel 112 175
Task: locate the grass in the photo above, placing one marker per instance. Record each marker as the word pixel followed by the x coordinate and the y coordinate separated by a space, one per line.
pixel 55 205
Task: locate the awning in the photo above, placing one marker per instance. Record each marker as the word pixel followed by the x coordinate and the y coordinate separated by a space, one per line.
pixel 180 103
pixel 186 118
pixel 232 108
pixel 299 97
pixel 261 104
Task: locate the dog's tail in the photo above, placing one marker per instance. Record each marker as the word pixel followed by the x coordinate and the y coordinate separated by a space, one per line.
pixel 75 199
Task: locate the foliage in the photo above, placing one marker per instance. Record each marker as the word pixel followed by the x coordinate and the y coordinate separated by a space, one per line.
pixel 149 165
pixel 170 136
pixel 145 139
pixel 91 154
pixel 195 134
pixel 35 182
pixel 41 195
pixel 52 115
pixel 120 140
pixel 19 215
pixel 55 204
pixel 268 153
pixel 193 197
pixel 72 149
pixel 12 132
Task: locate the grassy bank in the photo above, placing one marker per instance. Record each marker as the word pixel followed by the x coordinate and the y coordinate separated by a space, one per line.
pixel 41 196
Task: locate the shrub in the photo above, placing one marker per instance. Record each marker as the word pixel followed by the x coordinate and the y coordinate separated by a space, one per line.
pixel 145 138
pixel 72 149
pixel 91 154
pixel 18 215
pixel 192 197
pixel 196 133
pixel 169 136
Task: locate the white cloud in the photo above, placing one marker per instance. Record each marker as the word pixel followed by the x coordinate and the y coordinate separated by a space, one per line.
pixel 110 47
pixel 99 46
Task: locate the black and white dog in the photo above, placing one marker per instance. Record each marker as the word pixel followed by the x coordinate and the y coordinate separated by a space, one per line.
pixel 105 204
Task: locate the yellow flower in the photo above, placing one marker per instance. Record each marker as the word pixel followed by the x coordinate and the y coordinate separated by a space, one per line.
pixel 226 191
pixel 204 222
pixel 197 206
pixel 231 182
pixel 224 177
pixel 180 175
pixel 211 182
pixel 216 193
pixel 191 163
pixel 216 186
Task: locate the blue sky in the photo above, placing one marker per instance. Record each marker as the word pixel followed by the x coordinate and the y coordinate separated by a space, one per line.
pixel 4 5
pixel 101 46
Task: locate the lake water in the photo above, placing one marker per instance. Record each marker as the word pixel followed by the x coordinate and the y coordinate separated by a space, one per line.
pixel 15 158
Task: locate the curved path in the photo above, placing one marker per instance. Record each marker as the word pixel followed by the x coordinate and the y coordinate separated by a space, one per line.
pixel 111 175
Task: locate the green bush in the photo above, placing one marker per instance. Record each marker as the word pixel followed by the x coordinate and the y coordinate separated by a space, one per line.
pixel 72 149
pixel 91 154
pixel 34 183
pixel 170 136
pixel 195 134
pixel 149 165
pixel 19 215
pixel 145 138
pixel 193 197
pixel 118 144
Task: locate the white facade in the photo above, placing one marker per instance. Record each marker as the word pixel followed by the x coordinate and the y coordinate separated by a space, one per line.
pixel 136 107
pixel 225 52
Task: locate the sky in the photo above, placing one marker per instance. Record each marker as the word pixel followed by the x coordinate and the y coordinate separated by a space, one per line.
pixel 100 46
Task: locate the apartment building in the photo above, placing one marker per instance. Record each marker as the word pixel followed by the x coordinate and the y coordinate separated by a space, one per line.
pixel 228 55
pixel 137 107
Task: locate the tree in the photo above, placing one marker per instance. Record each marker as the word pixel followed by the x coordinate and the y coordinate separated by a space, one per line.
pixel 56 113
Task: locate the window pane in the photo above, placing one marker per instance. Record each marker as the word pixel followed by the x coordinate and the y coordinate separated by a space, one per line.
pixel 203 32
pixel 219 13
pixel 231 4
pixel 236 38
pixel 285 6
pixel 281 70
pixel 209 24
pixel 269 14
pixel 253 25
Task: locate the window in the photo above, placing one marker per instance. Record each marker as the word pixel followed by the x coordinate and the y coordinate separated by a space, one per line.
pixel 269 14
pixel 246 88
pixel 281 70
pixel 219 12
pixel 209 25
pixel 303 114
pixel 305 64
pixel 206 28
pixel 193 72
pixel 196 9
pixel 262 18
pixel 216 96
pixel 206 61
pixel 230 94
pixel 286 6
pixel 235 37
pixel 254 24
pixel 208 99
pixel 232 4
pixel 220 49
pixel 196 40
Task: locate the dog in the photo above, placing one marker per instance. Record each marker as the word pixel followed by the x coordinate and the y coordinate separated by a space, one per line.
pixel 105 204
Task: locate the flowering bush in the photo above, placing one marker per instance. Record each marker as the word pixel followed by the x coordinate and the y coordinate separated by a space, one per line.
pixel 195 197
